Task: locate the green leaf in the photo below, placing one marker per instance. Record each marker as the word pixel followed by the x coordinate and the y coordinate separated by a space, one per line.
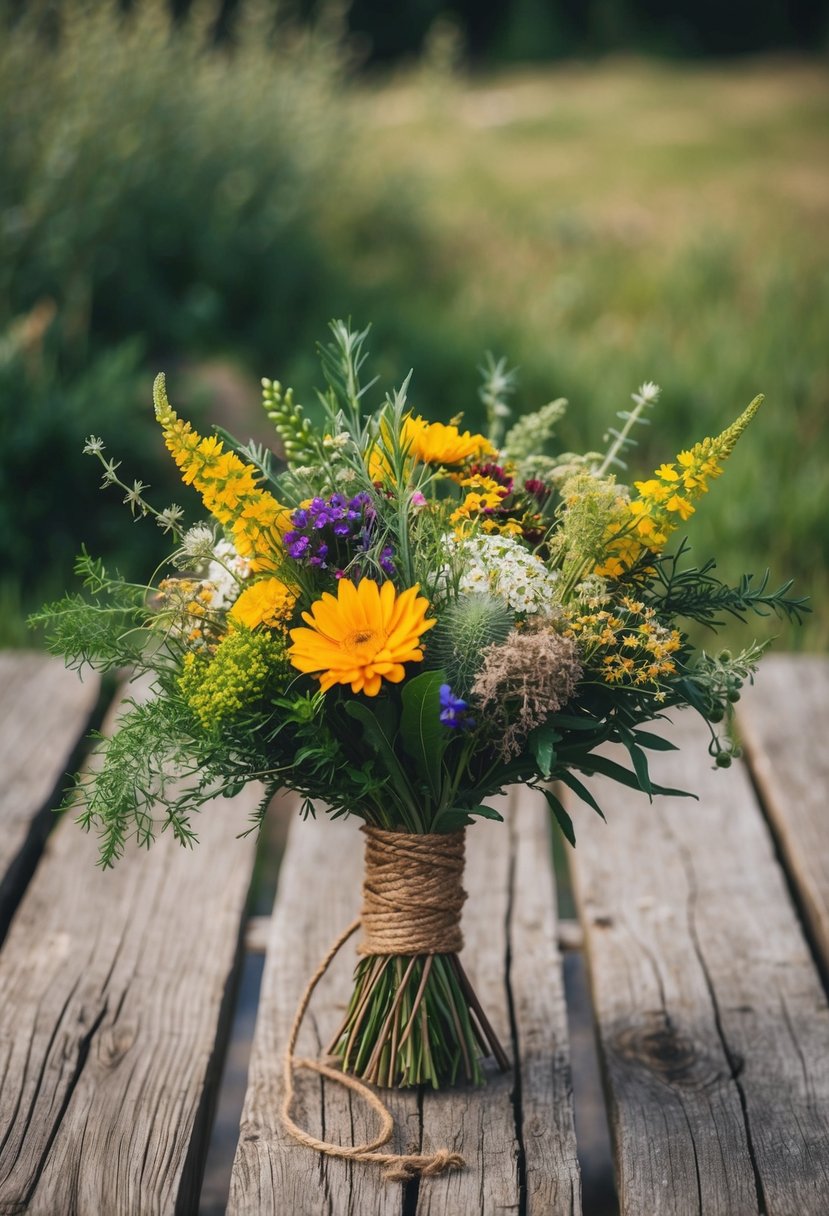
pixel 571 722
pixel 609 768
pixel 562 818
pixel 451 820
pixel 486 812
pixel 640 765
pixel 569 779
pixel 422 733
pixel 542 742
pixel 656 743
pixel 378 735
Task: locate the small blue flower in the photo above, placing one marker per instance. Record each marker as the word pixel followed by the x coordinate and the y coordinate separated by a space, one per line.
pixel 454 711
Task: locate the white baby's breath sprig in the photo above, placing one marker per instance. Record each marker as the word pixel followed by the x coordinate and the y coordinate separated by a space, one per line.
pixel 133 499
pixel 647 396
pixel 502 566
pixel 169 520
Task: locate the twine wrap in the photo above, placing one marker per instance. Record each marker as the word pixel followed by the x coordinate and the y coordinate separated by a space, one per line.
pixel 412 901
pixel 412 893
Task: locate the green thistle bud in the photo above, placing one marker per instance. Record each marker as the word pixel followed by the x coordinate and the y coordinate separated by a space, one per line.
pixel 465 629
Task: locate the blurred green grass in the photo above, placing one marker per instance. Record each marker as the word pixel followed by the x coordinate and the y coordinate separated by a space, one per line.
pixel 171 206
pixel 627 221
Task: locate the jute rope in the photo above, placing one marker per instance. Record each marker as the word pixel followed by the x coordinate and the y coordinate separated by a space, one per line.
pixel 412 893
pixel 412 900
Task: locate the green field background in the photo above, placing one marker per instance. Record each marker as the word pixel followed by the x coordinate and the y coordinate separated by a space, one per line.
pixel 599 224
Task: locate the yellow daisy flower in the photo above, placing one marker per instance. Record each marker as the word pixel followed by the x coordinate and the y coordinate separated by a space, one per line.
pixel 437 443
pixel 361 636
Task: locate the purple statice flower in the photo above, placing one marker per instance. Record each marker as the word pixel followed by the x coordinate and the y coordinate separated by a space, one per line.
pixel 386 563
pixel 454 711
pixel 326 532
pixel 296 544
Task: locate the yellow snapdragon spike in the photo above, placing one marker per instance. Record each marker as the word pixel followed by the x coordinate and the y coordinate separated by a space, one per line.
pixel 228 486
pixel 666 499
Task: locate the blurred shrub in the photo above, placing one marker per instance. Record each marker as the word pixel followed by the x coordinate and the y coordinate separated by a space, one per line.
pixel 159 195
pixel 49 496
pixel 156 184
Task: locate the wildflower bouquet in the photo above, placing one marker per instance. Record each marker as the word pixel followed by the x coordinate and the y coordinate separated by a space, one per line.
pixel 397 619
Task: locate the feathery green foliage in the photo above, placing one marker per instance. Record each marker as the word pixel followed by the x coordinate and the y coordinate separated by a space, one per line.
pixel 527 437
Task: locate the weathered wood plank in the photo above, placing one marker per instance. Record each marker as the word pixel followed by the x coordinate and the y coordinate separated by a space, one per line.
pixel 784 723
pixel 114 1002
pixel 553 1184
pixel 509 884
pixel 713 1025
pixel 44 711
pixel 519 1129
pixel 318 897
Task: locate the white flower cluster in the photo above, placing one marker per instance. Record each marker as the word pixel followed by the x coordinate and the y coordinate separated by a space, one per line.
pixel 226 573
pixel 502 566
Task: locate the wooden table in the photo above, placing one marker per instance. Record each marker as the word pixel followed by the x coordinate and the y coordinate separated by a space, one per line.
pixel 706 934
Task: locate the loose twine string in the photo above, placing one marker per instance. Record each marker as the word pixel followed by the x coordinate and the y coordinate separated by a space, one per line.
pixel 412 900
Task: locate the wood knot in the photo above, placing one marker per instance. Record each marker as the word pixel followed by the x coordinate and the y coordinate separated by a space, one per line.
pixel 662 1050
pixel 114 1043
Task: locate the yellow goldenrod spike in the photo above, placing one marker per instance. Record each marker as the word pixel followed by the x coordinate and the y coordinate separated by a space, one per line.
pixel 724 443
pixel 228 486
pixel 665 500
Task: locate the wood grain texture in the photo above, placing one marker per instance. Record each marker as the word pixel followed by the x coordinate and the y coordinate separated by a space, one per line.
pixel 319 895
pixel 713 1026
pixel 553 1184
pixel 114 1001
pixel 784 724
pixel 44 712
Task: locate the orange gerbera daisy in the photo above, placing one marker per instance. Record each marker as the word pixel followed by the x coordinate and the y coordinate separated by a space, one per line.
pixel 361 636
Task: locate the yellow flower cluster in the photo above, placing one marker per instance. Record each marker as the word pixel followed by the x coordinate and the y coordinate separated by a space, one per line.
pixel 484 494
pixel 227 485
pixel 666 499
pixel 266 602
pixel 627 645
pixel 235 679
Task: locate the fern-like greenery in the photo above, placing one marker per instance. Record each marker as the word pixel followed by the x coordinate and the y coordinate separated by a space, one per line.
pixel 103 633
pixel 697 594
